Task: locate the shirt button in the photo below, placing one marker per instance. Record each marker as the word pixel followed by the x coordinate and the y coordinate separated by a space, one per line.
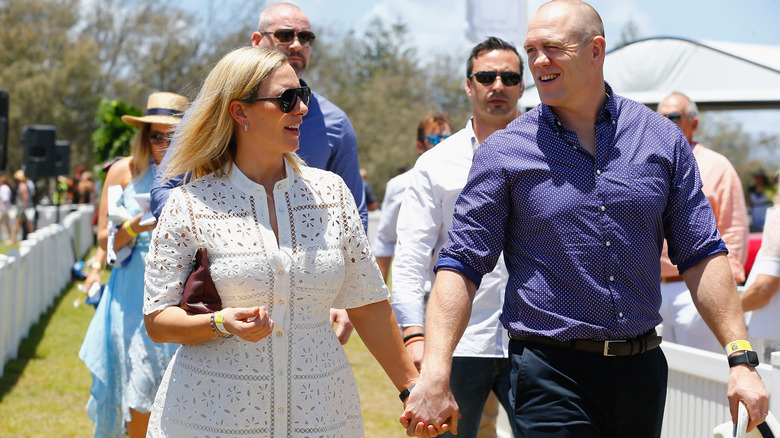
pixel 598 172
pixel 603 208
pixel 620 314
pixel 611 278
pixel 608 243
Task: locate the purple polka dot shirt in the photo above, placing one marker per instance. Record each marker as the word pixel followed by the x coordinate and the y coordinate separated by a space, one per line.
pixel 582 234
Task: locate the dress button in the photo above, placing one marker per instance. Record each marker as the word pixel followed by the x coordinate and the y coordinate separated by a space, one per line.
pixel 281 272
pixel 279 334
pixel 279 186
pixel 281 302
pixel 281 372
pixel 281 410
pixel 284 240
pixel 280 209
pixel 608 243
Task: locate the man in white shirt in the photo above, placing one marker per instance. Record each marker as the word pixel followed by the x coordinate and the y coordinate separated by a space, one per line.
pixel 494 84
pixel 433 128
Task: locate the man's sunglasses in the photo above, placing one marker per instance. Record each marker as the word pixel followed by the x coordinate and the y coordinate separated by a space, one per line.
pixel 157 139
pixel 286 36
pixel 435 139
pixel 675 117
pixel 508 78
pixel 287 99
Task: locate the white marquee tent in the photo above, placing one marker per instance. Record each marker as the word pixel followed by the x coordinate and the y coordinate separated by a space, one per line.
pixel 716 75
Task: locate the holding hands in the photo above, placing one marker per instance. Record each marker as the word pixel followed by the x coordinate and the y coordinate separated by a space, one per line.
pixel 431 409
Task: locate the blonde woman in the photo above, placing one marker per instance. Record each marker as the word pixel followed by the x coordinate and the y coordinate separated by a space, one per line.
pixel 126 365
pixel 285 244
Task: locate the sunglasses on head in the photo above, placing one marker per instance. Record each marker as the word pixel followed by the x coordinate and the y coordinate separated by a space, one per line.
pixel 675 117
pixel 157 138
pixel 286 36
pixel 508 78
pixel 435 139
pixel 287 99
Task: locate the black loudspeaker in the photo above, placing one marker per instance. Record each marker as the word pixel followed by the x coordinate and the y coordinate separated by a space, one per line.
pixel 39 151
pixel 62 157
pixel 3 130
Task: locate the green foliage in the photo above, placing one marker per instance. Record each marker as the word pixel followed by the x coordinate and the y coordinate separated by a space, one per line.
pixel 377 79
pixel 113 137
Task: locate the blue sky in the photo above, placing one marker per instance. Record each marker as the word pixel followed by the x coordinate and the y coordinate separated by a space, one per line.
pixel 437 26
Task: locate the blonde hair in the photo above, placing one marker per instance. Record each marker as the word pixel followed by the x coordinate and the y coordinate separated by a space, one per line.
pixel 140 151
pixel 205 140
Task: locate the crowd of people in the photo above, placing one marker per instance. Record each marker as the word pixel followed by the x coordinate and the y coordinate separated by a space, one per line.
pixel 533 256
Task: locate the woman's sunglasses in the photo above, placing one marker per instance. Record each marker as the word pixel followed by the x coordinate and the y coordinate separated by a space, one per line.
pixel 287 99
pixel 508 78
pixel 157 138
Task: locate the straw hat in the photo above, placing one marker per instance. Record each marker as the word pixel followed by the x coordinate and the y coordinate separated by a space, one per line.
pixel 163 107
pixel 19 175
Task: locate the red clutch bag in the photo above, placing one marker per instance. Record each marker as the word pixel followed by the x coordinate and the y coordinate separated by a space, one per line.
pixel 200 295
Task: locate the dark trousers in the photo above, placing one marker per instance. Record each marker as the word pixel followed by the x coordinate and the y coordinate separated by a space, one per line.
pixel 560 392
pixel 471 380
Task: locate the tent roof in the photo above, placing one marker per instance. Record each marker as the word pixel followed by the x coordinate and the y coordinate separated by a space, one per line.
pixel 715 75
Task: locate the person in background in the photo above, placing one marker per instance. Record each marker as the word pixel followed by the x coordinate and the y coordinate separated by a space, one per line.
pixel 126 365
pixel 371 202
pixel 578 193
pixel 285 244
pixel 494 83
pixel 25 206
pixel 762 287
pixel 760 196
pixel 721 185
pixel 6 204
pixel 328 140
pixel 433 128
pixel 84 189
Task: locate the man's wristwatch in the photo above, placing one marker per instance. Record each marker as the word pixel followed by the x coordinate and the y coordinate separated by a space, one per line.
pixel 745 357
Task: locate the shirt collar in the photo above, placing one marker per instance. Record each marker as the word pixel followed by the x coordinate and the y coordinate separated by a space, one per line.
pixel 607 113
pixel 246 185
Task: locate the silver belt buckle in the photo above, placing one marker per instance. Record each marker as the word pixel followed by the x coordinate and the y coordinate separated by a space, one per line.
pixel 606 346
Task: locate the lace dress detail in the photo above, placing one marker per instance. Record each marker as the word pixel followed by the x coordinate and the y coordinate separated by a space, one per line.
pixel 297 382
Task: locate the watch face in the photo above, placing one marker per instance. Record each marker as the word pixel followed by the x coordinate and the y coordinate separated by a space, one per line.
pixel 752 358
pixel 746 357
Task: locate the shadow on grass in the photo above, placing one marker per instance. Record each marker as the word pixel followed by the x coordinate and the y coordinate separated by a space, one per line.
pixel 27 349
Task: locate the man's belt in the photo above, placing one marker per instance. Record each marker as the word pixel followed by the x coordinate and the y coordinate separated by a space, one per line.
pixel 623 347
pixel 672 279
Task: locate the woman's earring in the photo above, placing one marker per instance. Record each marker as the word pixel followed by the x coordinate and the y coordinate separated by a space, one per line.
pixel 246 126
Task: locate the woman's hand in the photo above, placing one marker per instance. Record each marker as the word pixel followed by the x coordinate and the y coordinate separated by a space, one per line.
pixel 248 323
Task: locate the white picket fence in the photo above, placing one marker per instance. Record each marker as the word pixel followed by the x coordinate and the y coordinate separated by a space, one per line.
pixel 35 274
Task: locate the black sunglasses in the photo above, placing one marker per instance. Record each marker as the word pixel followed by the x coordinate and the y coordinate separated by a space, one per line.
pixel 157 139
pixel 285 36
pixel 675 117
pixel 508 78
pixel 287 99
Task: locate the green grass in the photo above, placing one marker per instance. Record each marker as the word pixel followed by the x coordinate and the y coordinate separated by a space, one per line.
pixel 44 390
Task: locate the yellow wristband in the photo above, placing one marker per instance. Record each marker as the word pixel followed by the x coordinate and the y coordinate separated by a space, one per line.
pixel 739 345
pixel 219 321
pixel 129 229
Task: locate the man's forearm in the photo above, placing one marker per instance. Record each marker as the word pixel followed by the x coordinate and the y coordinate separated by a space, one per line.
pixel 715 295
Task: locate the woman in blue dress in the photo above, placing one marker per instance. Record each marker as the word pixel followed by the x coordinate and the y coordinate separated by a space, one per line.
pixel 126 365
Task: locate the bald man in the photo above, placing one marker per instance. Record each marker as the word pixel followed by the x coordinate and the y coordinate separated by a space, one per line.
pixel 579 193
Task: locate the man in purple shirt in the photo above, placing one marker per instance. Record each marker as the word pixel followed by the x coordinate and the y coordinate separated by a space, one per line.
pixel 579 193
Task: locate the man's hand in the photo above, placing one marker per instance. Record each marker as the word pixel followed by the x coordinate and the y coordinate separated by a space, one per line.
pixel 344 329
pixel 430 410
pixel 745 385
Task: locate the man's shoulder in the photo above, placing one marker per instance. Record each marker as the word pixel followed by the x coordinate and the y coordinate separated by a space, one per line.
pixel 326 109
pixel 398 183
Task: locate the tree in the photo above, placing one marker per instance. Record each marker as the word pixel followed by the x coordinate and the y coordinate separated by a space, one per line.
pixel 113 137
